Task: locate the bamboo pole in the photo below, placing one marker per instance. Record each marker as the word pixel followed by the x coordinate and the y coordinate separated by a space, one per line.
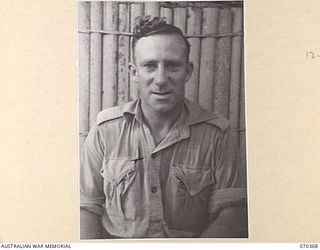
pixel 201 4
pixel 95 62
pixel 235 78
pixel 187 35
pixel 167 13
pixel 210 20
pixel 123 54
pixel 180 18
pixel 222 65
pixel 242 116
pixel 194 27
pixel 84 68
pixel 152 9
pixel 110 65
pixel 136 10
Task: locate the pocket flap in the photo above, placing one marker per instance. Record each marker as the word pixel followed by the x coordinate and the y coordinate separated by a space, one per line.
pixel 194 179
pixel 114 170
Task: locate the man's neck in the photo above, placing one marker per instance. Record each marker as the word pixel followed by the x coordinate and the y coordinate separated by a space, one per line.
pixel 160 123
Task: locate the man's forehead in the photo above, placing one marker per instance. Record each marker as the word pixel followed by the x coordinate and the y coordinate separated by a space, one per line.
pixel 162 39
pixel 172 43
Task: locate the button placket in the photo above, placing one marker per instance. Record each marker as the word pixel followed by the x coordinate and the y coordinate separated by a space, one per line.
pixel 155 189
pixel 155 198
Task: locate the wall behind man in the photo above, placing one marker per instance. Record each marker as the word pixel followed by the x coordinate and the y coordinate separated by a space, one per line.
pixel 214 30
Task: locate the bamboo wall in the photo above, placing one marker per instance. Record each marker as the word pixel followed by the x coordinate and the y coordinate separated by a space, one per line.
pixel 214 31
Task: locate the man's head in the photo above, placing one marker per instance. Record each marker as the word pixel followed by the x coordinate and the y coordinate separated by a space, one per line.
pixel 145 26
pixel 161 64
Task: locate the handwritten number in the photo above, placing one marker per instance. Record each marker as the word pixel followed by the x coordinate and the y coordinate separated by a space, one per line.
pixel 312 55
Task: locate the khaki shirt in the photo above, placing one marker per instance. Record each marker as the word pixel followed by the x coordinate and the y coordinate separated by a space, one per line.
pixel 173 189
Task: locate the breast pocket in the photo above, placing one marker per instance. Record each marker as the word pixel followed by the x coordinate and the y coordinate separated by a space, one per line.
pixel 121 187
pixel 191 189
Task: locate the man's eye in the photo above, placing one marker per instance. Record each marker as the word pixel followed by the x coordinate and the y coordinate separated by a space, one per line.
pixel 149 66
pixel 173 66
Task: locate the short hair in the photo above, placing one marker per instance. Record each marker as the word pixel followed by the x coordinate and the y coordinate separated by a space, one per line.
pixel 145 26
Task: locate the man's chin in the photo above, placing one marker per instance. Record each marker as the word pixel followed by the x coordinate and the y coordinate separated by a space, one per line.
pixel 165 109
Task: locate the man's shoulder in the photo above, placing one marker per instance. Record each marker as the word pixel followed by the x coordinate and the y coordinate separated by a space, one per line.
pixel 109 114
pixel 116 112
pixel 198 115
pixel 221 122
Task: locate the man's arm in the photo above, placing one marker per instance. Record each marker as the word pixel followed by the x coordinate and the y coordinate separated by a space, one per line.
pixel 227 204
pixel 90 225
pixel 91 187
pixel 231 222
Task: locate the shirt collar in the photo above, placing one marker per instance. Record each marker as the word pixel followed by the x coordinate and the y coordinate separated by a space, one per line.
pixel 196 114
pixel 132 110
pixel 191 113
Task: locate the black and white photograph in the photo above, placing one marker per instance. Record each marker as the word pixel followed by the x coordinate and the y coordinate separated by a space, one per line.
pixel 162 121
pixel 125 124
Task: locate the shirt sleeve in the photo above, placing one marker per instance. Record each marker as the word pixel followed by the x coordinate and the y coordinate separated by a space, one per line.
pixel 228 173
pixel 91 182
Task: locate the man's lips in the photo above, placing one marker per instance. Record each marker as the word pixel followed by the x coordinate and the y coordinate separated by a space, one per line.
pixel 161 93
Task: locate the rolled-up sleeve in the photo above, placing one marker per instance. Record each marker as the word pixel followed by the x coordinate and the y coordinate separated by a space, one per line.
pixel 228 173
pixel 91 182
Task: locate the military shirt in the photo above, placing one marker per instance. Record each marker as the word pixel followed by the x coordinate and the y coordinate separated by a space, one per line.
pixel 173 189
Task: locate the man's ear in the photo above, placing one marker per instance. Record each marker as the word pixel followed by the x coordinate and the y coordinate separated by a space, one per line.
pixel 189 70
pixel 133 72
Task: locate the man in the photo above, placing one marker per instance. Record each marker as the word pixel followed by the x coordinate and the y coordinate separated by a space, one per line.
pixel 161 166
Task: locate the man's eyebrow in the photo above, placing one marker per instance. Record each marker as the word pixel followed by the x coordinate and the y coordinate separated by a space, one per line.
pixel 173 61
pixel 167 61
pixel 148 61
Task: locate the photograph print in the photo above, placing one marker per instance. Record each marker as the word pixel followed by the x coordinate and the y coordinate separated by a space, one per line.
pixel 162 131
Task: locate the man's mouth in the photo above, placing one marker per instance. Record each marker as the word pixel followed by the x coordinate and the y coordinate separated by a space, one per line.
pixel 161 93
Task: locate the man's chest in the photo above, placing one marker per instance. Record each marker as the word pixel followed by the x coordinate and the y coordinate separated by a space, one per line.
pixel 175 178
pixel 192 148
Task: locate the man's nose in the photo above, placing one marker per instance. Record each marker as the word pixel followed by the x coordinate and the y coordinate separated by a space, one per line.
pixel 161 77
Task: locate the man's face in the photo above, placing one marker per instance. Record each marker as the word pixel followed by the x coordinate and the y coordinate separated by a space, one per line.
pixel 162 69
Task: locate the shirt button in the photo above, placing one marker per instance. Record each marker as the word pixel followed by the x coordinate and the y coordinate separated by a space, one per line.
pixel 153 189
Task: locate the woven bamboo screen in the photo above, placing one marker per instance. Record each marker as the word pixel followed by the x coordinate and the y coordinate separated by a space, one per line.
pixel 214 31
